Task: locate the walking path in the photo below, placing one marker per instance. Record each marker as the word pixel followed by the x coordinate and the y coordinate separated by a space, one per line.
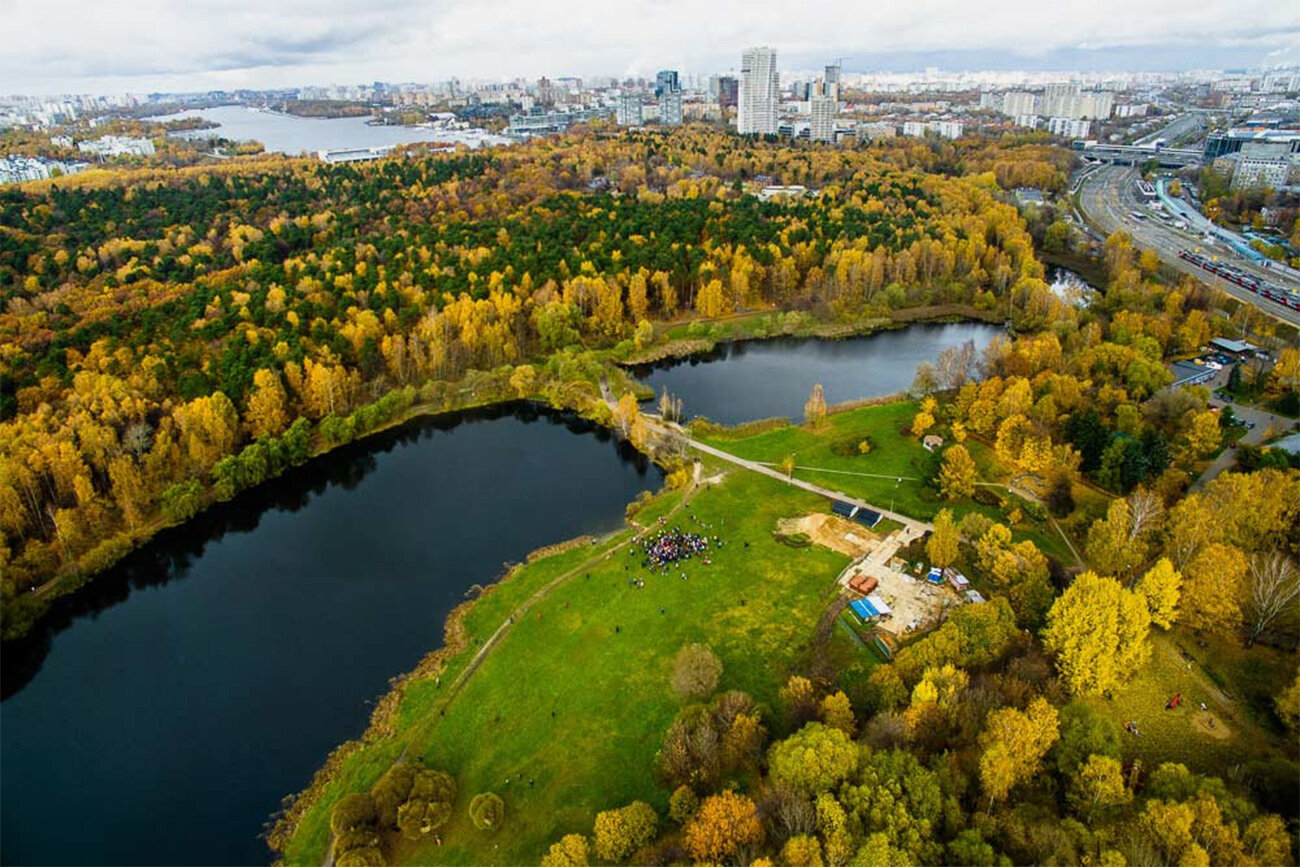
pixel 914 526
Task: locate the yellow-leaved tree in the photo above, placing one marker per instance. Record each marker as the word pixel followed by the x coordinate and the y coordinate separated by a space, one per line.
pixel 1097 630
pixel 944 541
pixel 1162 586
pixel 1014 743
pixel 957 474
pixel 1213 589
pixel 814 411
pixel 267 406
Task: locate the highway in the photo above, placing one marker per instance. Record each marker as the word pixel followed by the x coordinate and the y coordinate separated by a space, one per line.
pixel 1108 199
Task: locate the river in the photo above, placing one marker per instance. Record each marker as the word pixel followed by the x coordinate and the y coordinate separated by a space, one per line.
pixel 288 134
pixel 159 715
pixel 765 378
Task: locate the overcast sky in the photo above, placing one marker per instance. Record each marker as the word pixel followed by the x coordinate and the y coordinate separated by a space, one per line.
pixel 110 46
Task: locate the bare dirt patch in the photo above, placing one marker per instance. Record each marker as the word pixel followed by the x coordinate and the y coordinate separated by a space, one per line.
pixel 1206 723
pixel 831 531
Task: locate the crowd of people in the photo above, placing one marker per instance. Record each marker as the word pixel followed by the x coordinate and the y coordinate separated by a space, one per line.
pixel 670 545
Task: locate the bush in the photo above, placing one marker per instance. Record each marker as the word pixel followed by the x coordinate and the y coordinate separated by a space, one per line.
pixel 487 811
pixel 619 833
pixel 356 810
pixel 852 447
pixel 683 804
pixel 1060 496
pixel 183 500
pixel 696 670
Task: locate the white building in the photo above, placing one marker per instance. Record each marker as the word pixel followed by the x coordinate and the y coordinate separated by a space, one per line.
pixel 760 91
pixel 628 110
pixel 1018 102
pixel 876 129
pixel 1030 121
pixel 1068 127
pixel 117 146
pixel 945 128
pixel 670 108
pixel 824 109
pixel 1262 164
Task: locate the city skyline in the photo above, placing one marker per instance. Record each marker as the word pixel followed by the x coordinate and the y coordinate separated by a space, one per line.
pixel 157 46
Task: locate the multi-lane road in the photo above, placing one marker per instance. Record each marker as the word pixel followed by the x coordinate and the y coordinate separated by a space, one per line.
pixel 1108 199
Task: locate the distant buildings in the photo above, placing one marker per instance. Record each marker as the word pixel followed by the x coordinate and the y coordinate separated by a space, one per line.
pixel 553 121
pixel 1065 100
pixel 824 109
pixel 670 108
pixel 1263 164
pixel 627 112
pixel 728 91
pixel 876 130
pixel 666 82
pixel 760 92
pixel 117 146
pixel 355 155
pixel 944 128
pixel 1068 127
pixel 15 169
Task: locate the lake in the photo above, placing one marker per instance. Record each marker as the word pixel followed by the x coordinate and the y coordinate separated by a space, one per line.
pixel 159 716
pixel 765 378
pixel 287 134
pixel 166 710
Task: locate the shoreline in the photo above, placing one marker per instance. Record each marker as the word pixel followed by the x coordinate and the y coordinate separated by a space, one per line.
pixel 69 582
pixel 687 348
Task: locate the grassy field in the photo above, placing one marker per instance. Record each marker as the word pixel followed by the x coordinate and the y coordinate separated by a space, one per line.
pixel 892 474
pixel 1243 731
pixel 578 686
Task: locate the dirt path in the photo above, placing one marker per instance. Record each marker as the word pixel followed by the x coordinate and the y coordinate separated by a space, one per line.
pixel 912 524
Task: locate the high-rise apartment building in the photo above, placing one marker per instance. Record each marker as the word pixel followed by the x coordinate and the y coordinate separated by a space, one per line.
pixel 728 91
pixel 666 82
pixel 760 92
pixel 823 108
pixel 628 110
pixel 670 108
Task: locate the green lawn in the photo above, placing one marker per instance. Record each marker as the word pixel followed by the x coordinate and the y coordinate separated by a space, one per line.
pixel 892 474
pixel 1240 734
pixel 578 708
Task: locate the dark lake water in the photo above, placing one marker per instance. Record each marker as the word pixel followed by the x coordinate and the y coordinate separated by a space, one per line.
pixel 162 713
pixel 167 709
pixel 762 379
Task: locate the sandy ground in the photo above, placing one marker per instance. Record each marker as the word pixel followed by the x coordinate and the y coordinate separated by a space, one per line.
pixel 1206 723
pixel 832 531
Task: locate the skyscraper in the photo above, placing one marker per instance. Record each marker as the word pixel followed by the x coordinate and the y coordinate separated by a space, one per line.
pixel 832 76
pixel 760 90
pixel 666 82
pixel 728 91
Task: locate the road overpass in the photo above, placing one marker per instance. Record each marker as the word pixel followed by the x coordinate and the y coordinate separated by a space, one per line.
pixel 1108 203
pixel 1134 155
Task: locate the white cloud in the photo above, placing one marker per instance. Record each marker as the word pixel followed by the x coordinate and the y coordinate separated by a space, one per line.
pixel 75 45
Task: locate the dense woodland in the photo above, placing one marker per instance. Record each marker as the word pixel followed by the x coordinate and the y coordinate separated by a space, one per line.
pixel 992 740
pixel 171 336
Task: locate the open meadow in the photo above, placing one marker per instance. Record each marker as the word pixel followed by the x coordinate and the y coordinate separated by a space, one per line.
pixel 578 686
